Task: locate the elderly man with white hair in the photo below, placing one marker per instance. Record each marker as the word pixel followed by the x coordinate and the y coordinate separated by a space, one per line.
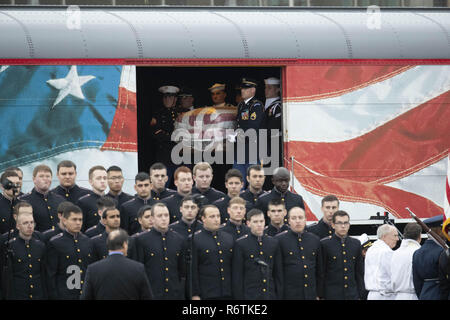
pixel 377 270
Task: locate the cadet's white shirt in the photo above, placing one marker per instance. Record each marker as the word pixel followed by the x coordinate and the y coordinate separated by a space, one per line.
pixel 377 271
pixel 401 270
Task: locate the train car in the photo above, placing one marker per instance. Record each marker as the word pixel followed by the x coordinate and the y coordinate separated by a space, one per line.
pixel 365 94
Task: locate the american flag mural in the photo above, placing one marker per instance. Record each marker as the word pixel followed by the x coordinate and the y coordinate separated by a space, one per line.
pixel 375 136
pixel 86 114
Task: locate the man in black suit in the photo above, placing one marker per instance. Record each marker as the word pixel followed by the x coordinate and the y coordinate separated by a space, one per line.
pixel 116 277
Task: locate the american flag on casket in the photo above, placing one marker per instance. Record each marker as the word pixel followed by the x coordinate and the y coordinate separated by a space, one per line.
pixel 205 128
pixel 375 136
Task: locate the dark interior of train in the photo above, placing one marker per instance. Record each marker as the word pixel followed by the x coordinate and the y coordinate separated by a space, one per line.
pixel 198 79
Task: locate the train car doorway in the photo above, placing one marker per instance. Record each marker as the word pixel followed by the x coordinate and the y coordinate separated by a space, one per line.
pixel 197 80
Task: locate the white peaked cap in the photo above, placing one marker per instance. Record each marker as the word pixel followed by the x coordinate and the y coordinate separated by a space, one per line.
pixel 272 81
pixel 168 89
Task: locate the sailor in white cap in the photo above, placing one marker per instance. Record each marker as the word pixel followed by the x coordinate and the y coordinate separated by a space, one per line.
pixel 218 95
pixel 272 105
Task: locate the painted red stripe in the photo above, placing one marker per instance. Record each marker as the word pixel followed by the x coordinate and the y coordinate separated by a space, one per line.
pixel 404 145
pixel 123 132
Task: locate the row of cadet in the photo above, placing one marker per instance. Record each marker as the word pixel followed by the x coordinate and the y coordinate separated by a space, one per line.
pixel 239 247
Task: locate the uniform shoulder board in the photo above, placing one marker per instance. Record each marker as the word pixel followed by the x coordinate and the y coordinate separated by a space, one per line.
pixel 326 238
pixel 223 224
pixel 198 231
pixel 12 240
pixel 59 235
pixel 283 232
pixel 242 238
pixel 174 223
pixel 84 197
pixel 97 236
pixel 128 202
pixel 48 231
pixel 266 227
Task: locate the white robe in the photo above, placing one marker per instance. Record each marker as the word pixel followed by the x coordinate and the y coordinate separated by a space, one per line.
pixel 401 270
pixel 377 271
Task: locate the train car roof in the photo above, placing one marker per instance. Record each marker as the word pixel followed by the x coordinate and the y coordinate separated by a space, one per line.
pixel 223 33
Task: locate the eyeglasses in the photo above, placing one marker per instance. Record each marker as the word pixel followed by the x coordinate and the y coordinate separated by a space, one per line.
pixel 344 224
pixel 115 178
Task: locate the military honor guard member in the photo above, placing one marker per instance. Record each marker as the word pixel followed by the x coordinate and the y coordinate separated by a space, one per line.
pixel 276 212
pixel 50 233
pixel 115 184
pixel 280 191
pixel 44 201
pixel 211 258
pixel 183 181
pixel 20 174
pixel 302 259
pixel 24 277
pixel 111 218
pixel 98 180
pixel 255 179
pixel 129 210
pixel 257 270
pixel 103 203
pixel 162 251
pixel 203 175
pixel 116 277
pixel 272 105
pixel 233 183
pixel 188 224
pixel 425 263
pixel 185 100
pixel 218 95
pixel 322 229
pixel 66 171
pixel 68 255
pixel 158 179
pixel 342 262
pixel 8 199
pixel 235 224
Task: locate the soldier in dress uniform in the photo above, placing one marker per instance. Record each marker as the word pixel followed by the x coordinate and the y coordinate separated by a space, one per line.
pixel 66 172
pixel 235 224
pixel 68 255
pixel 129 210
pixel 111 218
pixel 233 183
pixel 163 128
pixel 203 175
pixel 211 258
pixel 158 179
pixel 162 252
pixel 98 180
pixel 115 184
pixel 44 201
pixel 50 233
pixel 183 182
pixel 425 263
pixel 24 278
pixel 250 115
pixel 342 262
pixel 186 100
pixel 8 199
pixel 330 204
pixel 255 179
pixel 218 95
pixel 103 203
pixel 280 181
pixel 302 259
pixel 257 270
pixel 272 111
pixel 188 223
pixel 276 212
pixel 145 222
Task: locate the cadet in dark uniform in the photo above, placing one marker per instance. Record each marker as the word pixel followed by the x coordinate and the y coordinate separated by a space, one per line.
pixel 342 262
pixel 68 189
pixel 115 184
pixel 162 252
pixel 233 183
pixel 25 274
pixel 276 212
pixel 158 179
pixel 203 175
pixel 111 217
pixel 425 264
pixel 68 255
pixel 183 182
pixel 302 259
pixel 98 180
pixel 44 202
pixel 188 223
pixel 8 199
pixel 145 222
pixel 20 174
pixel 129 210
pixel 257 272
pixel 280 181
pixel 444 276
pixel 116 277
pixel 235 225
pixel 163 128
pixel 255 179
pixel 322 229
pixel 105 202
pixel 50 233
pixel 250 115
pixel 211 258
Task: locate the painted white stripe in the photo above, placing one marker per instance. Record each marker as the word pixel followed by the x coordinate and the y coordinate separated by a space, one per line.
pixel 356 113
pixel 85 159
pixel 128 78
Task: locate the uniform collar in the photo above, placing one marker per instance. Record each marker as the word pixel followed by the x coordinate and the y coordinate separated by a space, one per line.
pixel 248 100
pixel 269 102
